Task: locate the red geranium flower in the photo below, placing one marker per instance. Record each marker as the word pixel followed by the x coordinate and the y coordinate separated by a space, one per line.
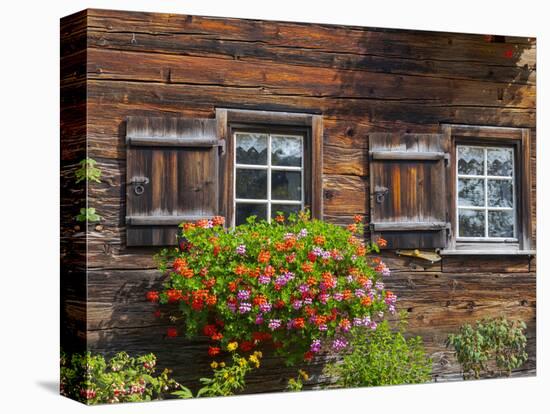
pixel 217 337
pixel 308 356
pixel 264 256
pixel 218 220
pixel 246 346
pixel 209 330
pixel 171 332
pixel 152 296
pixel 173 295
pixel 213 351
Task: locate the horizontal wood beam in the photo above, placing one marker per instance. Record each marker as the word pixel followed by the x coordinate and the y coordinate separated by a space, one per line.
pixel 269 117
pixel 487 252
pixel 478 131
pixel 407 155
pixel 161 220
pixel 174 142
pixel 410 226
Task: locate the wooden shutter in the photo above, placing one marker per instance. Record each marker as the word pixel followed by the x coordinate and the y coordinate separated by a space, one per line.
pixel 172 176
pixel 408 177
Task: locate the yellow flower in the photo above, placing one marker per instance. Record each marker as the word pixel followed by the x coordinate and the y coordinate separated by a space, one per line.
pixel 303 374
pixel 222 364
pixel 242 362
pixel 214 365
pixel 231 346
pixel 225 375
pixel 254 359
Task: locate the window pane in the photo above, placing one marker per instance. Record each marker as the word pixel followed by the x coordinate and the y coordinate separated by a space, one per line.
pixel 251 149
pixel 501 223
pixel 243 211
pixel 499 162
pixel 471 223
pixel 251 184
pixel 471 192
pixel 470 160
pixel 499 193
pixel 286 185
pixel 285 209
pixel 286 151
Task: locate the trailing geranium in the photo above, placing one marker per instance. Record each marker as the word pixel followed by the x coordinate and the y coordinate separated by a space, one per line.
pixel 296 284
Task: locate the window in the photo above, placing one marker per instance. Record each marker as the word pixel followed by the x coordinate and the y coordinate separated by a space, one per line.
pixel 490 197
pixel 485 193
pixel 268 174
pixel 272 163
pixel 465 190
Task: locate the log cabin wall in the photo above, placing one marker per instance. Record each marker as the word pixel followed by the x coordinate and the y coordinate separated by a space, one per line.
pixel 361 80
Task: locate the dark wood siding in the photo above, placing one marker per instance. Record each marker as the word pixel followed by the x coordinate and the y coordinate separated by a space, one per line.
pixel 73 312
pixel 361 80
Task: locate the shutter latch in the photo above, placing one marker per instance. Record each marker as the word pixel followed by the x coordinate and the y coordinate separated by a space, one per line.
pixel 380 194
pixel 139 184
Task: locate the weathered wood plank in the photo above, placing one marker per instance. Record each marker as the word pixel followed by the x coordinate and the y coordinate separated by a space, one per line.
pixel 499 264
pixel 366 109
pixel 422 53
pixel 279 78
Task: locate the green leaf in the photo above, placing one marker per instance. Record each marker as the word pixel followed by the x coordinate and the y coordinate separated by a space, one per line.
pixel 184 393
pixel 87 171
pixel 89 215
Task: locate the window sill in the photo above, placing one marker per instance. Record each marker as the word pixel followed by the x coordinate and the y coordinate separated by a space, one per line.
pixel 487 252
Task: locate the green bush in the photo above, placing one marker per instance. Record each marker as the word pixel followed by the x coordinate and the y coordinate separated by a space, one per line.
pixel 382 357
pixel 490 347
pixel 93 380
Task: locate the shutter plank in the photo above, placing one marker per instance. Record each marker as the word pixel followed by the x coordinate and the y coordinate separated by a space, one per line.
pixel 404 155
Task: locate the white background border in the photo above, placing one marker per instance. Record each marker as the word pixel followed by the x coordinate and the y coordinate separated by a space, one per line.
pixel 29 208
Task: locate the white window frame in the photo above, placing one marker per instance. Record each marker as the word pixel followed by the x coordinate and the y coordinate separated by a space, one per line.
pixel 486 208
pixel 269 168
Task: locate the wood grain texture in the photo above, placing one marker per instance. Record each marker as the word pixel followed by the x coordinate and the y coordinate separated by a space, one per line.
pixel 408 188
pixel 436 304
pixel 73 111
pixel 358 80
pixel 171 175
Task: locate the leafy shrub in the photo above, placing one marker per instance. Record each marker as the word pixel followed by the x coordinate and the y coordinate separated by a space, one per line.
pixel 491 346
pixel 93 380
pixel 296 284
pixel 382 357
pixel 227 379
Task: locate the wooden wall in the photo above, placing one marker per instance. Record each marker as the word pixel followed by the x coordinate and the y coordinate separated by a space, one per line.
pixel 360 79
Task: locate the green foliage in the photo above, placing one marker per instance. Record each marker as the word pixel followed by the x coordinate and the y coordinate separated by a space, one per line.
pixel 382 357
pixel 491 346
pixel 227 379
pixel 93 380
pixel 89 215
pixel 88 171
pixel 297 384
